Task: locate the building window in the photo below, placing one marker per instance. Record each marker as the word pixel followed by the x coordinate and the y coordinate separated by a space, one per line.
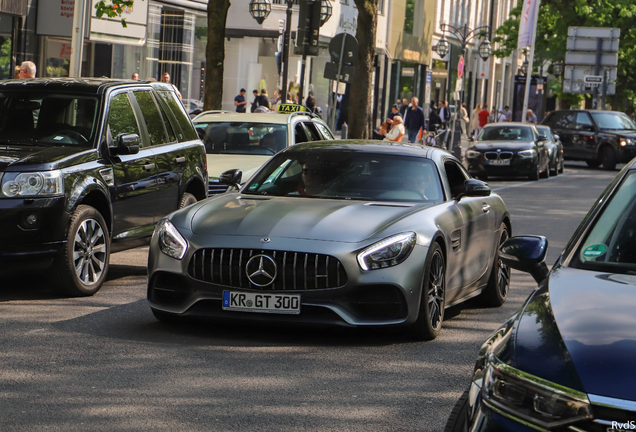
pixel 408 19
pixel 381 7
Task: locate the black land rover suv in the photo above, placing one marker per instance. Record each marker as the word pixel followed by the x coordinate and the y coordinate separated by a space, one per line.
pixel 597 137
pixel 87 168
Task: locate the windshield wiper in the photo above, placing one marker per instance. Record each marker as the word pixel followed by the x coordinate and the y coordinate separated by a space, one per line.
pixel 25 141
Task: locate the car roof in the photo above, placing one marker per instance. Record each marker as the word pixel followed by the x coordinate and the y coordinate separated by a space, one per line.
pixel 587 111
pixel 78 85
pixel 373 146
pixel 229 116
pixel 509 124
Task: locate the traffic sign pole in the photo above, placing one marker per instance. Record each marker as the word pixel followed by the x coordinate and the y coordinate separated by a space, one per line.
pixel 335 93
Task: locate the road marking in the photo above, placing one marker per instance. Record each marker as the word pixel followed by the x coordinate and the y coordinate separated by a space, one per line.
pixel 535 181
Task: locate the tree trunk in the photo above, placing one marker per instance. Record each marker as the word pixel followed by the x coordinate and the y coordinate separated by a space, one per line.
pixel 361 97
pixel 215 54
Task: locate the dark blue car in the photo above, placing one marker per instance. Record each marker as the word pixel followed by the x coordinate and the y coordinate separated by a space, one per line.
pixel 567 360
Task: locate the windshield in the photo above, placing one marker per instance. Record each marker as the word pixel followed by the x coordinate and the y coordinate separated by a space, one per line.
pixel 611 243
pixel 242 137
pixel 544 132
pixel 52 119
pixel 613 121
pixel 339 174
pixel 506 133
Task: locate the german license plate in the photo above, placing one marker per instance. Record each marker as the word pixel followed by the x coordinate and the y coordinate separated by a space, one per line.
pixel 263 303
pixel 499 162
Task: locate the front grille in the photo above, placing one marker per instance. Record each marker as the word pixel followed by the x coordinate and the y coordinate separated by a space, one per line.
pixel 216 188
pixel 502 155
pixel 295 270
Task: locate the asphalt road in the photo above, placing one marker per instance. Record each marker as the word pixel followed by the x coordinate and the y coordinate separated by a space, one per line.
pixel 105 364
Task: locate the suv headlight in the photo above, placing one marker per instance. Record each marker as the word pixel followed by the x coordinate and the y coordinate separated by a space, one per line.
pixel 627 142
pixel 472 154
pixel 47 183
pixel 528 398
pixel 171 242
pixel 527 153
pixel 388 252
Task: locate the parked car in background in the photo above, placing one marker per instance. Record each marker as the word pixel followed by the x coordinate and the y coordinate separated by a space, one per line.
pixel 565 361
pixel 245 141
pixel 87 168
pixel 508 149
pixel 338 233
pixel 555 149
pixel 596 137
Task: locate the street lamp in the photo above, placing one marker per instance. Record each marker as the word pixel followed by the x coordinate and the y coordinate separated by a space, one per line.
pixel 442 47
pixel 485 49
pixel 325 11
pixel 260 9
pixel 524 67
pixel 557 68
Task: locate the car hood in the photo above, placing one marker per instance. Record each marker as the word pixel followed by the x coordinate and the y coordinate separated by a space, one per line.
pixel 295 217
pixel 484 146
pixel 595 316
pixel 16 157
pixel 249 164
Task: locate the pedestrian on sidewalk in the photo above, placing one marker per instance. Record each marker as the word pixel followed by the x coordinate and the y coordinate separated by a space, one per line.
pixel 483 118
pixel 255 101
pixel 474 126
pixel 463 115
pixel 501 117
pixel 414 120
pixel 240 102
pixel 531 117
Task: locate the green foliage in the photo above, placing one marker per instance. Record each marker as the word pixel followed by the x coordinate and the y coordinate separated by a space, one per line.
pixel 113 10
pixel 555 16
pixel 408 20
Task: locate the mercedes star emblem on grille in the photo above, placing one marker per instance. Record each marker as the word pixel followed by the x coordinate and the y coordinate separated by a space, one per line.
pixel 266 240
pixel 261 270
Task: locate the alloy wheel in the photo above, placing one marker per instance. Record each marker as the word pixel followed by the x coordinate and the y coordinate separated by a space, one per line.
pixel 436 288
pixel 89 252
pixel 503 271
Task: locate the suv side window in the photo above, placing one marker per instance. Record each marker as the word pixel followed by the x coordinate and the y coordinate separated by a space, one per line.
pixel 584 122
pixel 311 131
pixel 564 120
pixel 186 132
pixel 166 121
pixel 152 118
pixel 299 132
pixel 121 116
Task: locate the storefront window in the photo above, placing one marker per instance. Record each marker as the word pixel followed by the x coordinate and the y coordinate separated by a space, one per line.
pixel 127 60
pixel 57 58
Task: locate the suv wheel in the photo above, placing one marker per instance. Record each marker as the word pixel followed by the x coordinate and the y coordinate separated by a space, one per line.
pixel 608 158
pixel 187 199
pixel 84 261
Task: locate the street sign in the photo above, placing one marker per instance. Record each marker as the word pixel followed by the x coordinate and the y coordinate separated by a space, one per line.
pixel 593 79
pixel 595 32
pixel 460 67
pixel 346 74
pixel 350 48
pixel 583 58
pixel 580 72
pixel 579 86
pixel 590 44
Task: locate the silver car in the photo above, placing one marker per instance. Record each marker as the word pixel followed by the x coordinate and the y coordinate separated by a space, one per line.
pixel 344 233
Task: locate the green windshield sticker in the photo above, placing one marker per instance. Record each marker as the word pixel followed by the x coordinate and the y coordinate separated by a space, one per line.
pixel 253 186
pixel 595 251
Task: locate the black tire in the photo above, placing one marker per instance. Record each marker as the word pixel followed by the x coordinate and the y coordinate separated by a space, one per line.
pixel 608 158
pixel 495 293
pixel 593 163
pixel 432 300
pixel 187 199
pixel 164 317
pixel 458 419
pixel 535 174
pixel 555 171
pixel 81 269
pixel 562 166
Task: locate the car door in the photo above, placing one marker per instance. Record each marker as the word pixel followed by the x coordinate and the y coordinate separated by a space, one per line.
pixel 134 176
pixel 473 240
pixel 564 123
pixel 585 136
pixel 167 156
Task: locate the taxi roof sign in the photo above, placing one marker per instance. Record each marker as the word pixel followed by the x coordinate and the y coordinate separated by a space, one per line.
pixel 290 108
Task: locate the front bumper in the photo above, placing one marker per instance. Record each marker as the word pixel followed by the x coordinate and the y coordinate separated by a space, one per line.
pixel 626 153
pixel 35 244
pixel 383 297
pixel 518 167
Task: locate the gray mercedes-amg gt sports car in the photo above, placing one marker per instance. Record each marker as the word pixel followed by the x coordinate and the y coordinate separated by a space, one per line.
pixel 352 233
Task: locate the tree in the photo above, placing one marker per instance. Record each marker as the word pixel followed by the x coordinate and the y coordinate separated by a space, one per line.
pixel 215 49
pixel 361 97
pixel 555 16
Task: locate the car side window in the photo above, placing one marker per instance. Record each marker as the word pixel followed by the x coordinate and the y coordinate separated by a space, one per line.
pixel 152 118
pixel 166 121
pixel 121 117
pixel 311 131
pixel 326 133
pixel 456 177
pixel 584 122
pixel 299 132
pixel 564 120
pixel 186 131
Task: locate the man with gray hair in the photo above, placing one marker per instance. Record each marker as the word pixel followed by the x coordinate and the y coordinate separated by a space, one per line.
pixel 27 69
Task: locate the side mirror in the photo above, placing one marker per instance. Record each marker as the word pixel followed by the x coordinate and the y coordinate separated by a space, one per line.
pixel 526 254
pixel 556 137
pixel 231 177
pixel 474 188
pixel 127 144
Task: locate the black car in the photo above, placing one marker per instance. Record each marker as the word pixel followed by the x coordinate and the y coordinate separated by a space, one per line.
pixel 565 361
pixel 555 149
pixel 509 149
pixel 596 137
pixel 87 168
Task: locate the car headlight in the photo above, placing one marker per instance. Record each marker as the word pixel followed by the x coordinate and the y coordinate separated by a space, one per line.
pixel 171 242
pixel 532 399
pixel 527 153
pixel 47 183
pixel 472 154
pixel 627 141
pixel 388 252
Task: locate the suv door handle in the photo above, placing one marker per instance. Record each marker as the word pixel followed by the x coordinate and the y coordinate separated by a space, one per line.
pixel 180 159
pixel 485 208
pixel 149 166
